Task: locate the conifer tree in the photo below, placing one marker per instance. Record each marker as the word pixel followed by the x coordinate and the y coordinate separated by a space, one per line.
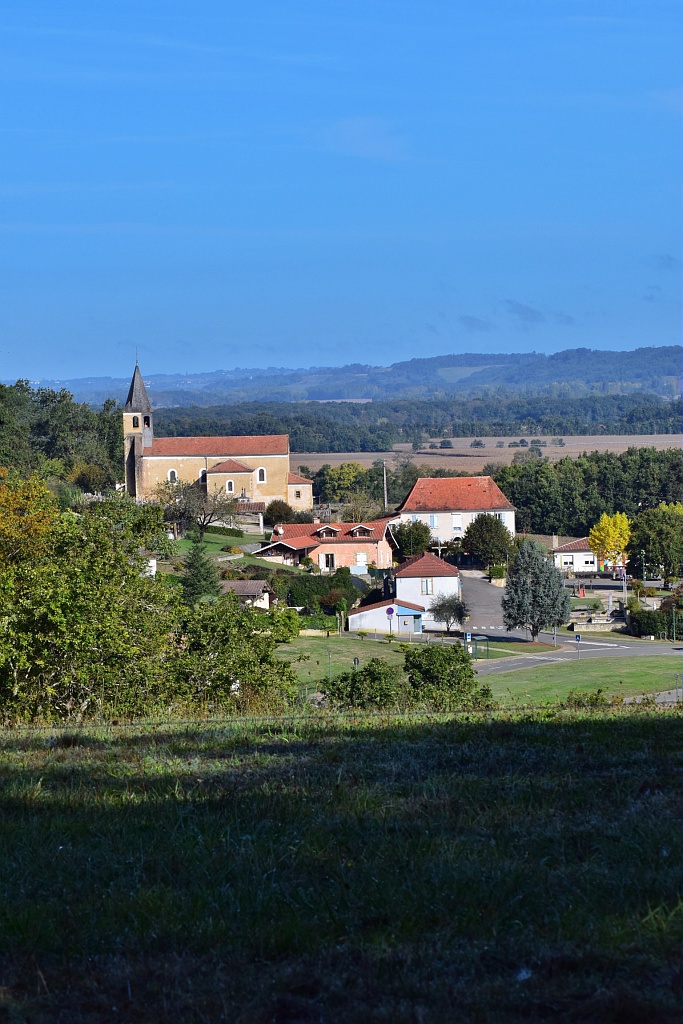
pixel 199 576
pixel 535 595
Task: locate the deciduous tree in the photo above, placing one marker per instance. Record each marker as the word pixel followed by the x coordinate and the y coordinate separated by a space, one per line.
pixel 658 534
pixel 450 610
pixel 488 539
pixel 442 676
pixel 412 538
pixel 609 538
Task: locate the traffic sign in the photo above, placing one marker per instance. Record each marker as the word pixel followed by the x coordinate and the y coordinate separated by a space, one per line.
pixel 390 612
pixel 578 638
pixel 468 638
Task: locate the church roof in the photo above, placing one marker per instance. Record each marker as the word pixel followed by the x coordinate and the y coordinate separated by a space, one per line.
pixel 137 400
pixel 221 447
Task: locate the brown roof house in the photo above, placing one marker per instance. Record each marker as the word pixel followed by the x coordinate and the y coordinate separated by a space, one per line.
pixel 448 505
pixel 253 468
pixel 418 582
pixel 333 545
pixel 252 593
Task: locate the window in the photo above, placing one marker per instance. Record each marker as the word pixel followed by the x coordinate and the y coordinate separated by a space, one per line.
pixel 172 476
pixel 426 586
pixel 202 477
pixel 361 558
pixel 456 522
pixel 297 495
pixel 136 421
pixel 261 476
pixel 146 421
pixel 433 521
pixel 329 561
pixel 229 487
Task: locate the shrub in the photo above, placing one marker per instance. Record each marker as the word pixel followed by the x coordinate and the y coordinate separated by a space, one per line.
pixel 586 699
pixel 651 623
pixel 377 685
pixel 497 572
pixel 225 531
pixel 442 677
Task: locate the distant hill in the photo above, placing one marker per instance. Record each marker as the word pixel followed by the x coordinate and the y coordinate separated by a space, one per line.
pixel 570 373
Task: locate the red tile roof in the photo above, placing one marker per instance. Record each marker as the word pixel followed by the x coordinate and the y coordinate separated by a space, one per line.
pixel 293 478
pixel 426 565
pixel 231 466
pixel 581 544
pixel 343 532
pixel 250 506
pixel 455 494
pixel 387 604
pixel 248 444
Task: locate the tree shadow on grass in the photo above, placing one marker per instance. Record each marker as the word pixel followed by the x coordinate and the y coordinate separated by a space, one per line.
pixel 478 868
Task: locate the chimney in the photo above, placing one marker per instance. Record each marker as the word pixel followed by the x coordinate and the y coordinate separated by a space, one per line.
pixel 316 520
pixel 554 540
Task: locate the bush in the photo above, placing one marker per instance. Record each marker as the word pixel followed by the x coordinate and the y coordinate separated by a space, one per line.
pixel 651 623
pixel 586 699
pixel 278 511
pixel 376 686
pixel 442 677
pixel 497 572
pixel 225 531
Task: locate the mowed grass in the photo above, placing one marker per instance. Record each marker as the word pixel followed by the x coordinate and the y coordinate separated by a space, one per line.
pixel 494 868
pixel 628 677
pixel 311 657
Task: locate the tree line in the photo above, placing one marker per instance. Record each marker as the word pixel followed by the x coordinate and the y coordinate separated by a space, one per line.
pixel 378 425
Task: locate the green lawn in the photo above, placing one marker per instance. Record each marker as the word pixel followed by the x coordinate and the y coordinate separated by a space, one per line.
pixel 345 648
pixel 493 868
pixel 625 676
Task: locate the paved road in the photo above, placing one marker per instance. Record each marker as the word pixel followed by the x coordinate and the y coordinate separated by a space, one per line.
pixel 486 619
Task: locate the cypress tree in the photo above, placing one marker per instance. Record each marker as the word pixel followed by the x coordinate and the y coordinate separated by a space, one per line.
pixel 535 595
pixel 199 576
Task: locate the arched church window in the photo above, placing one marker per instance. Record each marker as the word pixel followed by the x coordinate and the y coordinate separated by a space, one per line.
pixel 261 476
pixel 230 487
pixel 136 421
pixel 202 477
pixel 146 421
pixel 172 476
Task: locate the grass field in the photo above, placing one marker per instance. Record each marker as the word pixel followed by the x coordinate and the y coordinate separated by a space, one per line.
pixel 627 677
pixel 489 869
pixel 336 653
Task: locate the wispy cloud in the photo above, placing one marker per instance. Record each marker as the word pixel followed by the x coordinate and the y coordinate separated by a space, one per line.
pixel 371 138
pixel 665 261
pixel 528 317
pixel 476 325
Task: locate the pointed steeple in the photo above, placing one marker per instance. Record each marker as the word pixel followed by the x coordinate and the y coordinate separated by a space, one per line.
pixel 137 400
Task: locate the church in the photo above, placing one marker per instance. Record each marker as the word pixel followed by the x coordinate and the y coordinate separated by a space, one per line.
pixel 253 469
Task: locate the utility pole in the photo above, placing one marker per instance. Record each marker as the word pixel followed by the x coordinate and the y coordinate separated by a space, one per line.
pixel 384 476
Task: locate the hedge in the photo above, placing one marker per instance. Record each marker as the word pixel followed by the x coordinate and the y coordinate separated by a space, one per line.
pixel 652 623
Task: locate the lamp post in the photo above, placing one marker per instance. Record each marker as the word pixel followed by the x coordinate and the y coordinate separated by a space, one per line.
pixel 642 560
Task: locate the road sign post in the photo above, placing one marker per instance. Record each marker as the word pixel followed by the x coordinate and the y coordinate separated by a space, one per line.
pixel 578 645
pixel 390 612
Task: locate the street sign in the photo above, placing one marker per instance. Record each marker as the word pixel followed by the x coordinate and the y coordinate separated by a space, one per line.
pixel 468 638
pixel 578 638
pixel 390 612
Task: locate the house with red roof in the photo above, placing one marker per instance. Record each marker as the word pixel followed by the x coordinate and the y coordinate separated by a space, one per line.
pixel 418 582
pixel 449 504
pixel 576 556
pixel 252 468
pixel 332 545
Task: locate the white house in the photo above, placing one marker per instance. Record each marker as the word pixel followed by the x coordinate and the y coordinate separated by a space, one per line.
pixel 576 556
pixel 251 593
pixel 449 504
pixel 424 578
pixel 401 618
pixel 418 582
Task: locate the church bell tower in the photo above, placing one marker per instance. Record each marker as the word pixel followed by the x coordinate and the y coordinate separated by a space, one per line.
pixel 138 432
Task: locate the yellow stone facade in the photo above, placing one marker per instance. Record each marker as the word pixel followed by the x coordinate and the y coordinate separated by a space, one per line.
pixel 255 468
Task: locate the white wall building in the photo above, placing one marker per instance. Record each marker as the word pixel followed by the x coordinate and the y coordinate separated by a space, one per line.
pixel 422 579
pixel 448 505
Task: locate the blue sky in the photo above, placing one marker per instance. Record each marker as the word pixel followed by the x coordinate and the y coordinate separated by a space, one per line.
pixel 223 184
